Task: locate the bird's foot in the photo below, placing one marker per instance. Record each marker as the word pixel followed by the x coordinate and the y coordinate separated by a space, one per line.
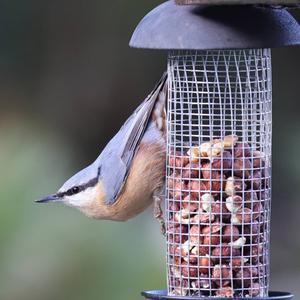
pixel 158 214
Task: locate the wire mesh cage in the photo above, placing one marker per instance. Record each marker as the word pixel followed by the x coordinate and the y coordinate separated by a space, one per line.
pixel 218 195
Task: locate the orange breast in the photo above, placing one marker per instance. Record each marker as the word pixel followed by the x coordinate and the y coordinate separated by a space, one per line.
pixel 146 175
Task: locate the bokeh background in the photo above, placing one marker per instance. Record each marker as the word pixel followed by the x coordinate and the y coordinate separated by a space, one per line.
pixel 68 80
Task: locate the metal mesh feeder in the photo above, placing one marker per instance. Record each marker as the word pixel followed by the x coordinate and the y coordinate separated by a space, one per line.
pixel 218 184
pixel 219 140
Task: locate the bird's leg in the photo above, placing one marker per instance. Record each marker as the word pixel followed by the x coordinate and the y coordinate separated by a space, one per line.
pixel 158 212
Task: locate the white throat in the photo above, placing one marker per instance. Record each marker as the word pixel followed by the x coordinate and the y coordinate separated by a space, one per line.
pixel 82 199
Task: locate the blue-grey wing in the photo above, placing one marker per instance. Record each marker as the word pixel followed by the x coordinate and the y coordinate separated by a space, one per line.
pixel 116 158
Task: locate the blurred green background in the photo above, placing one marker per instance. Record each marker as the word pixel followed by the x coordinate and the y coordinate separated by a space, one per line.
pixel 68 80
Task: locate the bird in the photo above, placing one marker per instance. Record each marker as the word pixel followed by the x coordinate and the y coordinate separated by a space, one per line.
pixel 129 174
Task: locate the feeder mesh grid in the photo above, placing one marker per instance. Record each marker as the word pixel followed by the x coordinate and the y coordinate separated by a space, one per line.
pixel 218 195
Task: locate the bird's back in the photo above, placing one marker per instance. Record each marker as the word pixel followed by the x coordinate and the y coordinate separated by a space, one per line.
pixel 144 125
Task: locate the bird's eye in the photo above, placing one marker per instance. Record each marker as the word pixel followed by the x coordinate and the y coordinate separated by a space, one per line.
pixel 75 190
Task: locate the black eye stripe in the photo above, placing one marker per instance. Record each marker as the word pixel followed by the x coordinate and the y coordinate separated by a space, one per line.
pixel 77 189
pixel 74 190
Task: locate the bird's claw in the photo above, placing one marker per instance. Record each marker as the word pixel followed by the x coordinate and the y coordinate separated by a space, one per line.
pixel 158 214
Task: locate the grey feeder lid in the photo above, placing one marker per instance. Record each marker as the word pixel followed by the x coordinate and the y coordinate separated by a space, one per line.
pixel 288 3
pixel 199 27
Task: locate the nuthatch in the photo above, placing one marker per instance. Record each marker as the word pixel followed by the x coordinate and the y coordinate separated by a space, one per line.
pixel 129 173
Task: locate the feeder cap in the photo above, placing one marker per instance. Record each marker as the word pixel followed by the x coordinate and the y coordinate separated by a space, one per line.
pixel 199 27
pixel 284 3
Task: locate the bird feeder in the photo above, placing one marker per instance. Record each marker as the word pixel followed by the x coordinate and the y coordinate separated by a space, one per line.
pixel 219 140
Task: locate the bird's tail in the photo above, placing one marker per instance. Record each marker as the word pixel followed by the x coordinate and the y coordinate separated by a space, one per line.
pixel 159 115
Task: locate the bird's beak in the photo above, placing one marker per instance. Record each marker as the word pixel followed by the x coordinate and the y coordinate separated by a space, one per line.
pixel 51 198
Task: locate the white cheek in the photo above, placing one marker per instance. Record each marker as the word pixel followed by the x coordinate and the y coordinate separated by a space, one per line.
pixel 81 199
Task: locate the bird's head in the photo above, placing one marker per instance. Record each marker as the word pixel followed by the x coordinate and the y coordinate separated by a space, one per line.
pixel 80 191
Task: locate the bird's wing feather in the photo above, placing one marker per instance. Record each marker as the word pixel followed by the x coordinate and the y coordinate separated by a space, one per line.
pixel 117 156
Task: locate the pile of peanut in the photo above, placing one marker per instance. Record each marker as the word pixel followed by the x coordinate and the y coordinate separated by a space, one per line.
pixel 218 222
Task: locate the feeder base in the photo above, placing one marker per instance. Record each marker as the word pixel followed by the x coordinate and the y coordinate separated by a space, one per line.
pixel 163 295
